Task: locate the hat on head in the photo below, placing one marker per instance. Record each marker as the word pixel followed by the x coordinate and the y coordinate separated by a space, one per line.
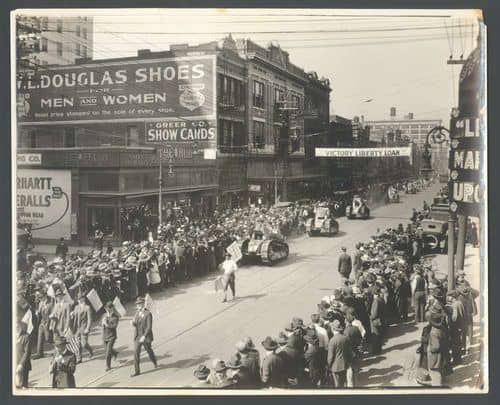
pixel 58 293
pixel 219 366
pixel 140 300
pixel 249 342
pixel 282 339
pixel 336 325
pixel 235 361
pixel 315 318
pixel 241 346
pixel 202 372
pixel 269 343
pixel 297 323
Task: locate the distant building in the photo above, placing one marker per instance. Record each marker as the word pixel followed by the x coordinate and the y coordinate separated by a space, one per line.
pixel 414 129
pixel 59 40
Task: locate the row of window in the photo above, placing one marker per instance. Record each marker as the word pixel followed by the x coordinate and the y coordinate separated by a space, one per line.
pixel 231 137
pixel 258 96
pixel 80 50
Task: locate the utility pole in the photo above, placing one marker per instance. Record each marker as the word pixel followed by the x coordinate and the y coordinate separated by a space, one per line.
pixel 160 186
pixel 451 251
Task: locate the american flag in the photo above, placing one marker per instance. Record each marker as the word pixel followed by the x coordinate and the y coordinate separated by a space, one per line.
pixel 72 343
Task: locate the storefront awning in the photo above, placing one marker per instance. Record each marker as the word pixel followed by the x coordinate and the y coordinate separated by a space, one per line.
pixel 288 178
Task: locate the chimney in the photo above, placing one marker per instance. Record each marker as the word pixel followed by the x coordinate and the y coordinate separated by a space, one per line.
pixel 393 112
pixel 410 116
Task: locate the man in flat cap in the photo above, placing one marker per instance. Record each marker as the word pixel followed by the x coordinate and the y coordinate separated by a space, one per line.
pixel 143 336
pixel 83 320
pixel 63 365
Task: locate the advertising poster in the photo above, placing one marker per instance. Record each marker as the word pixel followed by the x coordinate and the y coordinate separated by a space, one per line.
pixel 43 199
pixel 136 90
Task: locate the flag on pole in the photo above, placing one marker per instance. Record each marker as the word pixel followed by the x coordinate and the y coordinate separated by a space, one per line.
pixel 72 343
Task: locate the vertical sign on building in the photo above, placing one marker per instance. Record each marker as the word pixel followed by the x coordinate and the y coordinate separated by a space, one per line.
pixel 466 131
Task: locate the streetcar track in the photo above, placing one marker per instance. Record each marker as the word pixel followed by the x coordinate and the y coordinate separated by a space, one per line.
pixel 295 267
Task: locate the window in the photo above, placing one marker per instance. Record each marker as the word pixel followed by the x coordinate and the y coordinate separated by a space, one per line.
pixel 84 32
pixel 78 51
pixel 101 218
pixel 230 91
pixel 59 48
pixel 279 95
pixel 258 94
pixel 59 26
pixel 276 136
pixel 69 138
pixel 258 135
pixel 84 51
pixel 132 136
pixel 78 30
pixel 45 45
pixel 296 101
pixel 102 181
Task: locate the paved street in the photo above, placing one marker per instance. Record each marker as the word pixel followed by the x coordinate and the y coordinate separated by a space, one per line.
pixel 192 326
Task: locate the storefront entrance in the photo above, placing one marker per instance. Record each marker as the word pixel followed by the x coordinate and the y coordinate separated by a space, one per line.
pixel 102 218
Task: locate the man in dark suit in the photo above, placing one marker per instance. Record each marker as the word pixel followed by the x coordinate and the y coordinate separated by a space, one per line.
pixel 109 324
pixel 357 262
pixel 376 318
pixel 273 371
pixel 143 324
pixel 23 354
pixel 250 359
pixel 62 249
pixel 315 361
pixel 63 365
pixel 345 264
pixel 339 355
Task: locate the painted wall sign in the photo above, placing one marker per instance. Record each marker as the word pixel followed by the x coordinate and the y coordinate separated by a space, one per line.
pixel 44 200
pixel 119 91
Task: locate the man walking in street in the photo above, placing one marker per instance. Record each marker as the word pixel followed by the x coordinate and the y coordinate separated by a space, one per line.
pixel 357 262
pixel 63 365
pixel 109 324
pixel 43 314
pixel 143 336
pixel 345 264
pixel 83 321
pixel 229 268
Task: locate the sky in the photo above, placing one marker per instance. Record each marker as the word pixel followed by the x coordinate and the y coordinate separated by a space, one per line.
pixel 393 58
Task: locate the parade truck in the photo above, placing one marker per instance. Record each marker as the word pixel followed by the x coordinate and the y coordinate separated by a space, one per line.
pixel 357 209
pixel 267 249
pixel 323 222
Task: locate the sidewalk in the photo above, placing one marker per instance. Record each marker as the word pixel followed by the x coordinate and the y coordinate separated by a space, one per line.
pixel 391 367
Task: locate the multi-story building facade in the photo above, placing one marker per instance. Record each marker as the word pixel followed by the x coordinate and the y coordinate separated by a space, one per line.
pixel 60 40
pixel 414 129
pixel 102 140
pixel 277 88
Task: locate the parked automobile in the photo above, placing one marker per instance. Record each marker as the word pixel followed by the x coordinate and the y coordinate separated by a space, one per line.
pixel 434 235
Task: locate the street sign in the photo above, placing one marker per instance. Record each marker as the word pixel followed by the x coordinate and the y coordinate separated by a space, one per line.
pixel 467 128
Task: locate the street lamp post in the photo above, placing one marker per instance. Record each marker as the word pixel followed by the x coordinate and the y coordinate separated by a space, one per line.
pixel 438 135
